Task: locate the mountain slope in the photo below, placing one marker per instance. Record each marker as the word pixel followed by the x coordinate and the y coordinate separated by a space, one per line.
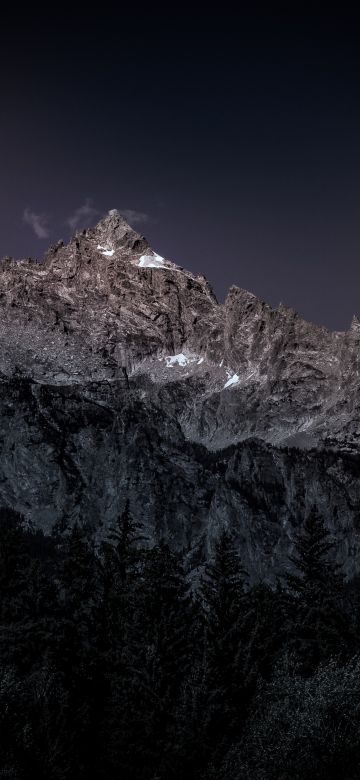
pixel 122 376
pixel 107 304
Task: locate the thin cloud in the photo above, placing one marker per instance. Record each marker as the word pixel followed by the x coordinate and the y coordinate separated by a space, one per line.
pixel 83 216
pixel 38 223
pixel 134 217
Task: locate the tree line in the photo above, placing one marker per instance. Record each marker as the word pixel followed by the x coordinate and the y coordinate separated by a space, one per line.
pixel 115 663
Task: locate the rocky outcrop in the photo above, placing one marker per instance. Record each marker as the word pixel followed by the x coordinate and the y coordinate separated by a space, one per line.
pixel 106 303
pixel 122 376
pixel 77 452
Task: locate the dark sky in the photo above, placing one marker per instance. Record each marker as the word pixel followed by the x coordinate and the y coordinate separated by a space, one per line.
pixel 238 138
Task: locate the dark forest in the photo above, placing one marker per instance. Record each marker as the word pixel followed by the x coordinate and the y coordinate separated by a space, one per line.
pixel 117 663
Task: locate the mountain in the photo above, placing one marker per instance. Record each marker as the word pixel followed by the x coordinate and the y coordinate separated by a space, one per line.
pixel 121 376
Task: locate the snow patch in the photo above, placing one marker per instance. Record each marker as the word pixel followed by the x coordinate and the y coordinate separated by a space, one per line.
pixel 232 381
pixel 106 252
pixel 152 261
pixel 182 360
pixel 173 360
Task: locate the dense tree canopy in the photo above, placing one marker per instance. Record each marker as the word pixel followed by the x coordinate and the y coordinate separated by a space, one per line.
pixel 115 663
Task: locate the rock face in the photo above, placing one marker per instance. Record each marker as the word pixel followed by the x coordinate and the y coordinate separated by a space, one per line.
pixel 122 376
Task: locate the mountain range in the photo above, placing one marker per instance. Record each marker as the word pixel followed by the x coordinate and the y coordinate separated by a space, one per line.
pixel 122 377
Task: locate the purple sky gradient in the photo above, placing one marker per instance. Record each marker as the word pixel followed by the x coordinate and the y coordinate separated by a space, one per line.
pixel 239 140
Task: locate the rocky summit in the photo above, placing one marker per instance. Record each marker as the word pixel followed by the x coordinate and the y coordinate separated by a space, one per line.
pixel 122 377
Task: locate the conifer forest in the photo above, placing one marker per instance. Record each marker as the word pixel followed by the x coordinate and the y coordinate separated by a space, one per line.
pixel 116 662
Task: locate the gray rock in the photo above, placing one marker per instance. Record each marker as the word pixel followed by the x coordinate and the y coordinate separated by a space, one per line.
pixel 122 376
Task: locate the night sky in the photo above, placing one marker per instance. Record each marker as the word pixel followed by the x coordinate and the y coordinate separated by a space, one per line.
pixel 233 145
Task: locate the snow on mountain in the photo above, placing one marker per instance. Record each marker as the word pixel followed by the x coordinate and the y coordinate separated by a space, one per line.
pixel 152 261
pixel 114 384
pixel 106 252
pixel 232 381
pixel 95 311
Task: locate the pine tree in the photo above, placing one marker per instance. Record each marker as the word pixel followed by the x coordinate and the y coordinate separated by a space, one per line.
pixel 120 550
pixel 78 581
pixel 27 595
pixel 14 563
pixel 120 559
pixel 75 653
pixel 319 628
pixel 120 642
pixel 223 595
pixel 155 659
pixel 169 619
pixel 264 631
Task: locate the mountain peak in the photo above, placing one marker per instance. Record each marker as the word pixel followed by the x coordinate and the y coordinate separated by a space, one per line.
pixel 107 302
pixel 114 230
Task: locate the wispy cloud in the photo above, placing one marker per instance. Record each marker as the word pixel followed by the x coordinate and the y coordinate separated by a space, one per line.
pixel 134 217
pixel 83 216
pixel 38 222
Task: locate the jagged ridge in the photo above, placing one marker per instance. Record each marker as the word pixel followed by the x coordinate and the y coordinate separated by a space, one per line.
pixel 99 309
pixel 123 377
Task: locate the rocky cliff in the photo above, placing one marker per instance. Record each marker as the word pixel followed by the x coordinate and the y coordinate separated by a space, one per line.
pixel 122 376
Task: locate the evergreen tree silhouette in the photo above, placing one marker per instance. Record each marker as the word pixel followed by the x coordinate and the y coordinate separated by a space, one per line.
pixel 75 653
pixel 14 564
pixel 156 658
pixel 27 594
pixel 318 625
pixel 223 595
pixel 120 642
pixel 121 557
pixel 264 631
pixel 110 667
